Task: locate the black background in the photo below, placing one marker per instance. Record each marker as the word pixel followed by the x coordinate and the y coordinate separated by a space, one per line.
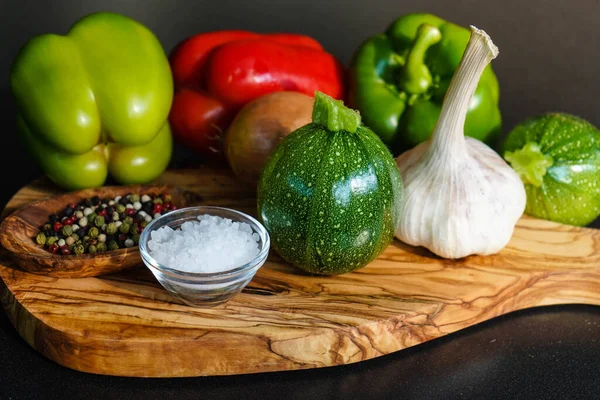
pixel 549 58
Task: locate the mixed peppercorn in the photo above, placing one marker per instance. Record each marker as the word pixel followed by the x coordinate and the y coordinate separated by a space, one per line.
pixel 97 225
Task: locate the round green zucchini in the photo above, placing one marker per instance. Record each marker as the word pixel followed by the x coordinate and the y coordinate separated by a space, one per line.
pixel 330 193
pixel 558 158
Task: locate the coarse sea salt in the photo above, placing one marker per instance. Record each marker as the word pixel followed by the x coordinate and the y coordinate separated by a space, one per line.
pixel 211 244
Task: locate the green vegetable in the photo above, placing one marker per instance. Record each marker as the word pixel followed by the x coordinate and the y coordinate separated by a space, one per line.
pixel 558 158
pixel 330 193
pixel 95 102
pixel 398 80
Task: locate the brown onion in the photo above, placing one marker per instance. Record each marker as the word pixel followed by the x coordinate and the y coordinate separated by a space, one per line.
pixel 260 126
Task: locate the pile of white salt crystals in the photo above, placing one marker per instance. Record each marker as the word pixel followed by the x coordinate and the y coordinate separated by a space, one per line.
pixel 211 244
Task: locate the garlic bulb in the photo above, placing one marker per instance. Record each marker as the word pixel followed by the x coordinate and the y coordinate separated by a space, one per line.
pixel 461 198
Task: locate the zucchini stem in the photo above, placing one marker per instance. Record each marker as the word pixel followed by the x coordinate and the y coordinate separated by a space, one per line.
pixel 529 163
pixel 334 115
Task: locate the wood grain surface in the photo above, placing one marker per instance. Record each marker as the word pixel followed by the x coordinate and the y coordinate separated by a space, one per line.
pixel 126 324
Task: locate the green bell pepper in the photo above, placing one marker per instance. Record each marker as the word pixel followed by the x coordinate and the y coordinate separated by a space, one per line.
pixel 95 102
pixel 398 81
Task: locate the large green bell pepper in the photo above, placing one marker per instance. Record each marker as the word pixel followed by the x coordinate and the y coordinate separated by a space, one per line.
pixel 95 102
pixel 398 80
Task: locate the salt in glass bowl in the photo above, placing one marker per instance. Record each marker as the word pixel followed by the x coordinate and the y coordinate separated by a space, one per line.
pixel 204 289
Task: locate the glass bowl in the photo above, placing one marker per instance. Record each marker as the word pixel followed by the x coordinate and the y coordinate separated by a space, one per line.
pixel 204 289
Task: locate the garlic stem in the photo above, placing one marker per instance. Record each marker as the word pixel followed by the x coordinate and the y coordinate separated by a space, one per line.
pixel 448 135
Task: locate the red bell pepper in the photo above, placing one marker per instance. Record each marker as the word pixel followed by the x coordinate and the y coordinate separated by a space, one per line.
pixel 217 73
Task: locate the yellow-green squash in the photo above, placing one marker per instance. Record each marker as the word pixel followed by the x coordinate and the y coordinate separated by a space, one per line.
pixel 330 193
pixel 558 158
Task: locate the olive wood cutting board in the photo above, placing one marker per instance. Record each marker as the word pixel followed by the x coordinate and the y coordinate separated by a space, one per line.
pixel 127 324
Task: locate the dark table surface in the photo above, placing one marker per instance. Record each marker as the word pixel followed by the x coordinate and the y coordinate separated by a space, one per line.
pixel 548 61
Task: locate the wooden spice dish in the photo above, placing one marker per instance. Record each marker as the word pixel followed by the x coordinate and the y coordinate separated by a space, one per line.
pixel 18 231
